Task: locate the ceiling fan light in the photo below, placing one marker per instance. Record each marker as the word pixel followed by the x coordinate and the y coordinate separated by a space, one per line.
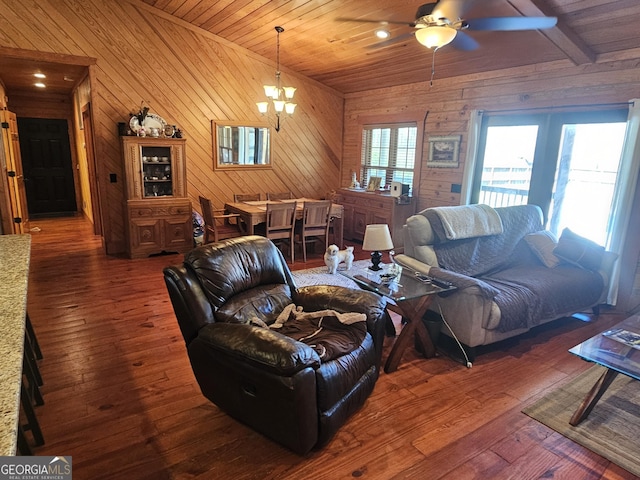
pixel 436 36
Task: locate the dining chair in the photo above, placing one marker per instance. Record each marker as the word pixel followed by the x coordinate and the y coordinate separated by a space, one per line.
pixel 280 224
pixel 279 195
pixel 315 224
pixel 217 223
pixel 246 197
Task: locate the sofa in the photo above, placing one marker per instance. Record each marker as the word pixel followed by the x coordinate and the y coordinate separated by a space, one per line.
pixel 511 274
pixel 291 363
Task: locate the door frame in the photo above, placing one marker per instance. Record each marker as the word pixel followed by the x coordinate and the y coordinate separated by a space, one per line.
pixel 96 210
pixel 74 138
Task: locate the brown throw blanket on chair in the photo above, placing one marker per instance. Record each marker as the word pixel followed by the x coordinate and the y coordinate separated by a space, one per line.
pixel 331 334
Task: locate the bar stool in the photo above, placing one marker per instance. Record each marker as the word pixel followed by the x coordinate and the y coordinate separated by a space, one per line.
pixel 30 368
pixel 30 394
pixel 31 334
pixel 31 424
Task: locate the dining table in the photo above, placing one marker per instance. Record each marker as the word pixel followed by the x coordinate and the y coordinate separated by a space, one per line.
pixel 255 212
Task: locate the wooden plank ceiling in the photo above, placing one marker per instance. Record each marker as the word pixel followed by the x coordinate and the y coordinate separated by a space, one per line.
pixel 346 56
pixel 343 54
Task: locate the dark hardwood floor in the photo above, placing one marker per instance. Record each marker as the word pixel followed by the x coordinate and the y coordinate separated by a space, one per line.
pixel 121 399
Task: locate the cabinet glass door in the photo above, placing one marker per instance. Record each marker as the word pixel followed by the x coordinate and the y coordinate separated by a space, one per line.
pixel 156 171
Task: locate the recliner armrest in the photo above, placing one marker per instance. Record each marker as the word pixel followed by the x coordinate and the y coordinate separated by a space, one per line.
pixel 264 348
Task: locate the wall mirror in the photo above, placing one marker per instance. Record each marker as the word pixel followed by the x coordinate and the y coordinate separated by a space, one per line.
pixel 241 145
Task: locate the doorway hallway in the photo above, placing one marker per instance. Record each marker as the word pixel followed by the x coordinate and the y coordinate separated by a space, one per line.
pixel 65 96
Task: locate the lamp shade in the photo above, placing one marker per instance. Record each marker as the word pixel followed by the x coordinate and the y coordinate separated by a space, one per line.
pixel 289 92
pixel 377 237
pixel 436 35
pixel 270 91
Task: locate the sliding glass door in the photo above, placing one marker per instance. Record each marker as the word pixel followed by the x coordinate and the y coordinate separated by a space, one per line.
pixel 567 163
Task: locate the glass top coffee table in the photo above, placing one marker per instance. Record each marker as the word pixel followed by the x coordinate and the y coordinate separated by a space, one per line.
pixel 616 349
pixel 411 295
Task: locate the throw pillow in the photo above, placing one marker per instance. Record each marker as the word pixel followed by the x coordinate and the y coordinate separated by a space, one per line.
pixel 543 243
pixel 577 250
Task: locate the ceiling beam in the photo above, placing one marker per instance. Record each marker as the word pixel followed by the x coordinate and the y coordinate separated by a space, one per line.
pixel 561 35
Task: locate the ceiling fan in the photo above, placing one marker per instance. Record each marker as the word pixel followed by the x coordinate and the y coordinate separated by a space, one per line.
pixel 441 23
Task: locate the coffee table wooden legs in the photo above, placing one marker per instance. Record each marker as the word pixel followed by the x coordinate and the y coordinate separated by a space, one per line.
pixel 412 311
pixel 593 396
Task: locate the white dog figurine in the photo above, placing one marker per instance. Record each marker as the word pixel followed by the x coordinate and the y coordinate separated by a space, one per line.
pixel 334 257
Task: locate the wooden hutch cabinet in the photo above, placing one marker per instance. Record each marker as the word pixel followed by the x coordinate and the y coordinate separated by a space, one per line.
pixel 362 208
pixel 158 209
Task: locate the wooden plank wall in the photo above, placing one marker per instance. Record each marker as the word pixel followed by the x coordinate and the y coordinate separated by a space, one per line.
pixel 188 77
pixel 448 104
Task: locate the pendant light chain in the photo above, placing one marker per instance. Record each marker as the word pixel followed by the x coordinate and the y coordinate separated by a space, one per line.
pixel 281 97
pixel 279 30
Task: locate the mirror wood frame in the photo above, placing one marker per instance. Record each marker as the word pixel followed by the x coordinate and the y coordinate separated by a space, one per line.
pixel 218 165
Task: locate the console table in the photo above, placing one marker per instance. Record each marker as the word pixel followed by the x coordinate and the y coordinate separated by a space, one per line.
pixel 362 208
pixel 14 273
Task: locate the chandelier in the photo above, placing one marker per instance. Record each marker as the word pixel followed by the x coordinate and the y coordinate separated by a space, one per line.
pixel 280 96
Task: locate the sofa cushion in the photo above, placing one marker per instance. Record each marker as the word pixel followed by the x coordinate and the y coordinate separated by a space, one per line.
pixel 264 302
pixel 529 294
pixel 542 244
pixel 579 251
pixel 478 256
pixel 247 262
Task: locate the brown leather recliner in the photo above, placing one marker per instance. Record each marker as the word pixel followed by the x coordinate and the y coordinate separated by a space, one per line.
pixel 275 384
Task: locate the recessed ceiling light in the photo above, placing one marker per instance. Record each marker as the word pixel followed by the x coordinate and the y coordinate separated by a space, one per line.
pixel 67 78
pixel 39 75
pixel 382 34
pixel 40 85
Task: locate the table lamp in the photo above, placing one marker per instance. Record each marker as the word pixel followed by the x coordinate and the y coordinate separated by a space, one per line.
pixel 376 238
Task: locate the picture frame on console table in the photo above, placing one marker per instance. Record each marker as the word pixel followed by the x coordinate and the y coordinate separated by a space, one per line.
pixel 374 184
pixel 444 151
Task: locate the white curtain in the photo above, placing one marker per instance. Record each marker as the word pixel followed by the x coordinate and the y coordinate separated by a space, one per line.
pixel 473 137
pixel 624 193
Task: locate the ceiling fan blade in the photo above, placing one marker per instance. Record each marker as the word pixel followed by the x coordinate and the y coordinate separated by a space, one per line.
pixel 391 41
pixel 512 23
pixel 452 9
pixel 462 41
pixel 380 22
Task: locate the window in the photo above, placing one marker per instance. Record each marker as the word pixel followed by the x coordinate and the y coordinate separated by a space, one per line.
pixel 389 152
pixel 567 163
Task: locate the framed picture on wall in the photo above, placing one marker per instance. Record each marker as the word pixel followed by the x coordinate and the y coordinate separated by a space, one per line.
pixel 444 151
